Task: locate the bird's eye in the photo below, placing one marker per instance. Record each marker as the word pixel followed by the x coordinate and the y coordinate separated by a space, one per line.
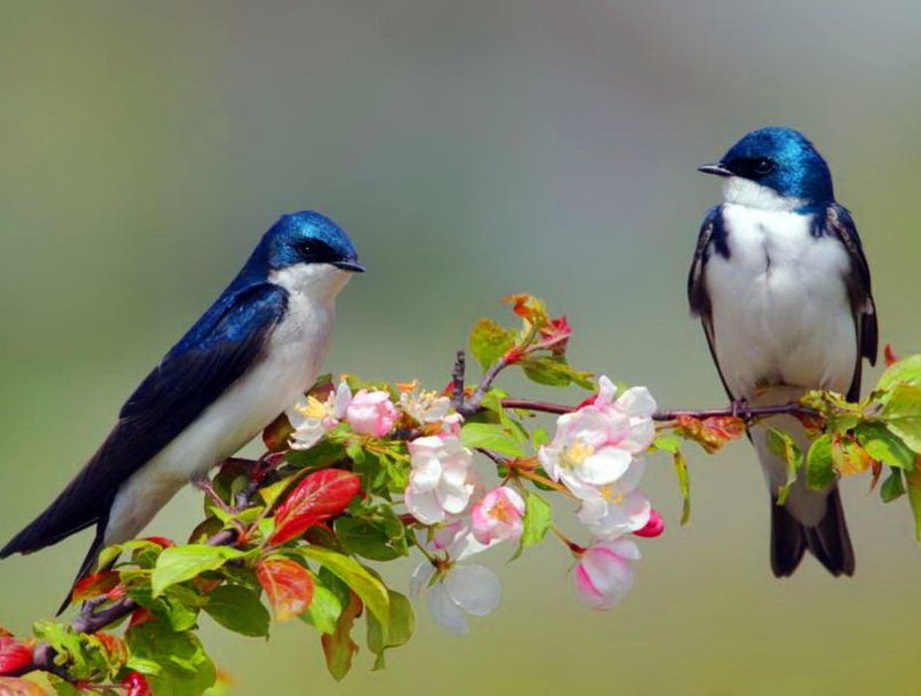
pixel 305 247
pixel 763 166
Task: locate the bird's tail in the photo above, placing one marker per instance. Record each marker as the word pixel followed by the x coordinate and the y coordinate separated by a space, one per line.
pixel 828 540
pixel 809 520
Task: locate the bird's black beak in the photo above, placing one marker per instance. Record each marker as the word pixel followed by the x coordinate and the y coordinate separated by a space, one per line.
pixel 352 266
pixel 715 169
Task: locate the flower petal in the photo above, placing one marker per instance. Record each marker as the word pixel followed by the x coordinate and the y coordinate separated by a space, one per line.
pixel 475 588
pixel 445 610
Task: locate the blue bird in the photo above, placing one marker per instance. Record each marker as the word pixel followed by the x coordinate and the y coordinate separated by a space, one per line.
pixel 782 287
pixel 255 350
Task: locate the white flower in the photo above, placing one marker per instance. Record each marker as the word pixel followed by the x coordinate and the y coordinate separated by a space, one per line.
pixel 441 482
pixel 617 508
pixel 463 589
pixel 311 418
pixel 595 445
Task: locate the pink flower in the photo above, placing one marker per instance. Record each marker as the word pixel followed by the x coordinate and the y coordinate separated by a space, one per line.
pixel 498 516
pixel 441 482
pixel 371 413
pixel 604 572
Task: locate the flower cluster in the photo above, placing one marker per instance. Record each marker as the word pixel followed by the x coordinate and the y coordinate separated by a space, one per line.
pixel 595 454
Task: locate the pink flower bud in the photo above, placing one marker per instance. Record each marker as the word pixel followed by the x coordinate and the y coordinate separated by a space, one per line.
pixel 371 413
pixel 654 527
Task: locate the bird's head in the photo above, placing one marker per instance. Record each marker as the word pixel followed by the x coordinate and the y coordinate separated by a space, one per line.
pixel 773 168
pixel 304 252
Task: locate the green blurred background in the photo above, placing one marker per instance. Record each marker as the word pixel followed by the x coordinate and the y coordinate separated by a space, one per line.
pixel 471 150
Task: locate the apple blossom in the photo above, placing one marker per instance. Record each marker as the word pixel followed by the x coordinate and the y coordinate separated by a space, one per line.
pixel 595 445
pixel 457 591
pixel 498 516
pixel 653 528
pixel 424 406
pixel 311 418
pixel 617 508
pixel 441 482
pixel 371 413
pixel 604 572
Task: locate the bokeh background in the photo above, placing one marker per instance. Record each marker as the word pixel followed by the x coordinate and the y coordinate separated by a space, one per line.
pixel 472 150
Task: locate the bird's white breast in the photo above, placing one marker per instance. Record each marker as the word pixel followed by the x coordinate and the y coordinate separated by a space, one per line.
pixel 290 364
pixel 781 313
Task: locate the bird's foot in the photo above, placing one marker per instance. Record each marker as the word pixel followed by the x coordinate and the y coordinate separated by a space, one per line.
pixel 740 409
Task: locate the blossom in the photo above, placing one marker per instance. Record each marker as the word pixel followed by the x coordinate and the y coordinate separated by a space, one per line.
pixel 424 406
pixel 604 572
pixel 617 508
pixel 311 418
pixel 441 482
pixel 371 413
pixel 457 591
pixel 498 516
pixel 595 445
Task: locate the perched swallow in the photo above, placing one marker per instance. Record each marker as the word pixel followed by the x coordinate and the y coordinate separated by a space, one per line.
pixel 255 350
pixel 782 288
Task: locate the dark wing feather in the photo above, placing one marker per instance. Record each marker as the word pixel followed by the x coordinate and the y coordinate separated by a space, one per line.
pixel 711 240
pixel 838 222
pixel 209 358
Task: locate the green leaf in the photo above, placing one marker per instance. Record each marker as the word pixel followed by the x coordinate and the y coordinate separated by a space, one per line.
pixel 369 589
pixel 401 625
pixel 684 485
pixel 820 471
pixel 174 663
pixel 338 647
pixel 892 487
pixel 907 371
pixel 913 479
pixel 492 436
pixel 902 414
pixel 667 443
pixel 489 341
pixel 238 609
pixel 782 445
pixel 180 563
pixel 538 517
pixel 379 536
pixel 884 446
pixel 324 609
pixel 554 371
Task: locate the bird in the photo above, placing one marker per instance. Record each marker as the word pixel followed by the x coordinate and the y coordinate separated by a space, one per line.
pixel 247 358
pixel 781 285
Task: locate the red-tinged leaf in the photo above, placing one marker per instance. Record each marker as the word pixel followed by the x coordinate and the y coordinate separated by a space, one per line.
pixel 162 542
pixel 338 647
pixel 116 648
pixel 555 336
pixel 848 456
pixel 710 433
pixel 11 686
pixel 889 355
pixel 877 469
pixel 140 616
pixel 529 308
pixel 321 495
pixel 14 656
pixel 288 585
pixel 136 685
pixel 94 586
pixel 275 436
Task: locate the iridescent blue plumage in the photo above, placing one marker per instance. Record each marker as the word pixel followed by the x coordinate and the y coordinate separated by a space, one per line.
pixel 209 368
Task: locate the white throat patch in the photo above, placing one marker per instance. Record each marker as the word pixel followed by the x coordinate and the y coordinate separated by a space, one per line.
pixel 754 195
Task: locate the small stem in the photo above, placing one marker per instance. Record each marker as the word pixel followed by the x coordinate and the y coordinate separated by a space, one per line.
pixel 746 413
pixel 457 380
pixel 542 406
pixel 472 405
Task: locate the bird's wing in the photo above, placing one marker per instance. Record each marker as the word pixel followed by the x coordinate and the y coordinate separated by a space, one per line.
pixel 712 239
pixel 837 222
pixel 210 357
